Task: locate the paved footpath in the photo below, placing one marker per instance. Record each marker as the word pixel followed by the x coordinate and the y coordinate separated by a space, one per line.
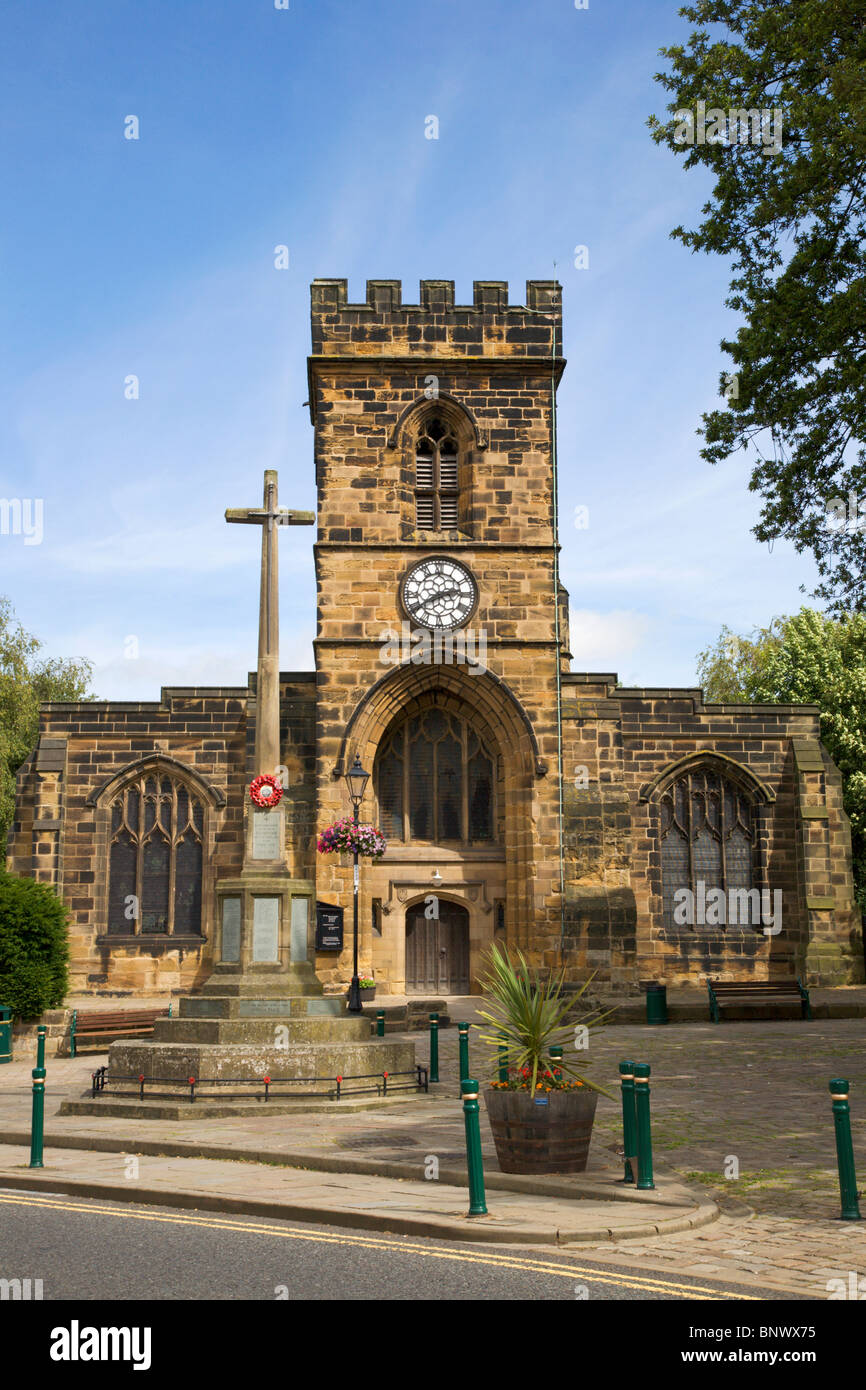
pixel 745 1099
pixel 356 1200
pixel 398 1165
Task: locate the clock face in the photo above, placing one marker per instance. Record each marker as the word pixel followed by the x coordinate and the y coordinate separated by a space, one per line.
pixel 439 593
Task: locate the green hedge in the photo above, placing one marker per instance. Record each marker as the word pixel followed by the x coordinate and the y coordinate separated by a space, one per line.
pixel 34 947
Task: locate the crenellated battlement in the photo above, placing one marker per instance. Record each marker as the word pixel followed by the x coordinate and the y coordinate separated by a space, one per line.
pixel 383 325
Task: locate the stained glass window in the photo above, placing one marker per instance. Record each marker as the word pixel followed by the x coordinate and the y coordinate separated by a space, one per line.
pixel 435 782
pixel 707 840
pixel 391 789
pixel 155 859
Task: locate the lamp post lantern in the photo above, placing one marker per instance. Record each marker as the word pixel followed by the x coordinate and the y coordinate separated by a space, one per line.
pixel 356 780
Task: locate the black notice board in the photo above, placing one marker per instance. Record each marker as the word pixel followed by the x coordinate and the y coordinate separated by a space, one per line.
pixel 329 927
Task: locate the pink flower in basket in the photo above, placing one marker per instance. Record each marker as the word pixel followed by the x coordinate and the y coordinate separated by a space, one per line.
pixel 344 837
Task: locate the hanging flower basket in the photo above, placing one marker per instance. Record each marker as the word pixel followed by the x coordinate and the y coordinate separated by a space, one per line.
pixel 265 790
pixel 345 837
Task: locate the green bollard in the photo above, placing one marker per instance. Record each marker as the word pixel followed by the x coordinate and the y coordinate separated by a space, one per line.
pixel 556 1057
pixel 463 1045
pixel 642 1116
pixel 845 1151
pixel 38 1121
pixel 477 1204
pixel 434 1047
pixel 380 1023
pixel 503 1060
pixel 629 1122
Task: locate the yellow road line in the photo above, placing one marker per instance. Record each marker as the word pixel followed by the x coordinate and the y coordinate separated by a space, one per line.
pixel 530 1266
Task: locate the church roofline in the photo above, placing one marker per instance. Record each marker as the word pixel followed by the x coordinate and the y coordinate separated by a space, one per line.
pixel 167 694
pixel 590 678
pixel 696 695
pixel 693 693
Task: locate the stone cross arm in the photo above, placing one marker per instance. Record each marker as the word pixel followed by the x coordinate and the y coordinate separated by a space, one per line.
pixel 281 516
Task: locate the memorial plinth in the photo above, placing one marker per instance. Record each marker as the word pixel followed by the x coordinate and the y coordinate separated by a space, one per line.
pixel 243 1028
pixel 262 1012
pixel 252 1020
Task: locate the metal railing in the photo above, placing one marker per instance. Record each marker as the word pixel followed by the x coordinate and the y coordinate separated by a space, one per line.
pixel 385 1083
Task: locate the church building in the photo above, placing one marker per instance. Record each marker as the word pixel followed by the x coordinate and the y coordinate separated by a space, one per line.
pixel 640 834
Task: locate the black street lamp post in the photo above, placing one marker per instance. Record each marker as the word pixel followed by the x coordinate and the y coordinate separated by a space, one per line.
pixel 356 781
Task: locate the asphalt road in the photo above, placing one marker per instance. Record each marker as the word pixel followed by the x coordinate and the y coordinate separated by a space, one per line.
pixel 85 1249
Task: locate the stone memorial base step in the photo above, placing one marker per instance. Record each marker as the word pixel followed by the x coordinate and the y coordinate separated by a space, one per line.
pixel 166 1108
pixel 272 1006
pixel 276 1057
pixel 263 981
pixel 287 1030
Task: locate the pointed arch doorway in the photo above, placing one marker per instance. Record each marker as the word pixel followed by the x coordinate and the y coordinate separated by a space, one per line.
pixel 437 950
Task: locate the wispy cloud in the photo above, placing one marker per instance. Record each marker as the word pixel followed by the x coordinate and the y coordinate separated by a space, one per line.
pixel 605 641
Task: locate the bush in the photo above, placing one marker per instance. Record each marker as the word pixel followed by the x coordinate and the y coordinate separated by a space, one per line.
pixel 34 947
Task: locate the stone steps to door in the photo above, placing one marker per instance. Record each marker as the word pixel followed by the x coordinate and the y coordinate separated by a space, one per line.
pixel 409 1016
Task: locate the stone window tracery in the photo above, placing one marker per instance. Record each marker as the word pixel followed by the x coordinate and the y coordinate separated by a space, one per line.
pixel 707 836
pixel 155 858
pixel 435 781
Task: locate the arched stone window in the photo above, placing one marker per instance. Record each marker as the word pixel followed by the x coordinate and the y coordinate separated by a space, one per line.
pixel 435 781
pixel 707 836
pixel 437 487
pixel 155 857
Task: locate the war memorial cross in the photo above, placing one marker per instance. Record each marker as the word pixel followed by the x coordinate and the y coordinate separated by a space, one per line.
pixel 269 516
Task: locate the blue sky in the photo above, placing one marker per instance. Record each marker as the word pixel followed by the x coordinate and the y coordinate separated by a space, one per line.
pixel 305 127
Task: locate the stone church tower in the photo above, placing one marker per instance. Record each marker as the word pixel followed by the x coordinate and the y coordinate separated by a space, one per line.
pixel 434 427
pixel 523 802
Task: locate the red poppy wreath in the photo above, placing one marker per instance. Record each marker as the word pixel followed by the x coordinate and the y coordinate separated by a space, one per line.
pixel 265 790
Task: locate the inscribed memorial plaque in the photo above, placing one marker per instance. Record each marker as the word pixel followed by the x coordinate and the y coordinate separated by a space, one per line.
pixel 264 1008
pixel 266 930
pixel 300 911
pixel 267 834
pixel 231 938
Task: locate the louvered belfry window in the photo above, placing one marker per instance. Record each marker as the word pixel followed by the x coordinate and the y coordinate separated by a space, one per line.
pixel 436 489
pixel 707 836
pixel 434 779
pixel 155 858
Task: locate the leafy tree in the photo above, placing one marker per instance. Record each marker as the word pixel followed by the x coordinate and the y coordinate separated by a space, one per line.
pixel 731 667
pixel 789 209
pixel 811 659
pixel 34 946
pixel 26 679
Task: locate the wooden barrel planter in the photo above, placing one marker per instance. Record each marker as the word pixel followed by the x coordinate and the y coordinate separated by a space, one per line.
pixel 533 1137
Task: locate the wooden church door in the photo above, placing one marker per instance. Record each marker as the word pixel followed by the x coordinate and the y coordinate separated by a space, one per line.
pixel 437 950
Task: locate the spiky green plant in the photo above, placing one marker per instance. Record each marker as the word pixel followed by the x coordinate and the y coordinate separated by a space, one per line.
pixel 529 1013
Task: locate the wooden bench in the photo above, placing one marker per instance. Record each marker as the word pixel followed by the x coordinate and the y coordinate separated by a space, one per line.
pixel 760 992
pixel 102 1026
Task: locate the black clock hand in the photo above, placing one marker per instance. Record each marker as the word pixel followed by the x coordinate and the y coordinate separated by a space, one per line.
pixel 443 593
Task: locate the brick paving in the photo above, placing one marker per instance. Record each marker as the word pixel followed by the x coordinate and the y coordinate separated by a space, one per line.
pixel 756 1092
